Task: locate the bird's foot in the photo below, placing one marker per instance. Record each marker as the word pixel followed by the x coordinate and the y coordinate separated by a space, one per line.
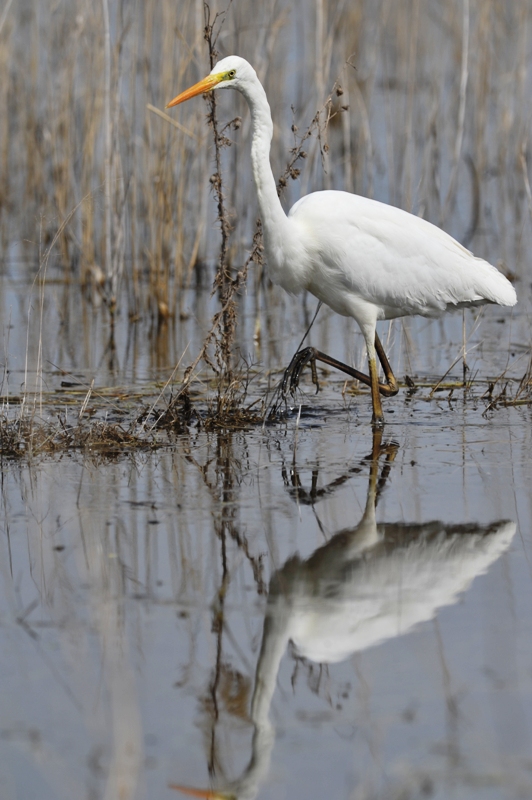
pixel 293 371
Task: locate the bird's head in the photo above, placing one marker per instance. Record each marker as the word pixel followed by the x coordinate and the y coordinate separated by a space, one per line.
pixel 229 73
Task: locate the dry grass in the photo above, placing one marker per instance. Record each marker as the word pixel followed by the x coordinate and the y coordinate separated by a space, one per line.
pixel 436 121
pixel 28 438
pixel 134 422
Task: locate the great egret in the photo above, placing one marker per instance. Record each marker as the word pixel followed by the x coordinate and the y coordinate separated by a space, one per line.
pixel 363 258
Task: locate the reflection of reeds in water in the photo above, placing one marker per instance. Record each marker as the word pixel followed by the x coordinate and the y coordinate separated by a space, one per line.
pixel 141 583
pixel 437 122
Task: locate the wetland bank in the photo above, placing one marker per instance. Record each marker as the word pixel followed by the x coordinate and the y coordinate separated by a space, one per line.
pixel 196 600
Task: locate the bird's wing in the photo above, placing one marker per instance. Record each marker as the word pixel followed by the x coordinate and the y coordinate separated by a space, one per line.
pixel 392 259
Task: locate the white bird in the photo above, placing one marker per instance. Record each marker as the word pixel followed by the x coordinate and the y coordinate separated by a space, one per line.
pixel 363 258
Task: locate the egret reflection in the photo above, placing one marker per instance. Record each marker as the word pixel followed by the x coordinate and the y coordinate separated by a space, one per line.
pixel 366 585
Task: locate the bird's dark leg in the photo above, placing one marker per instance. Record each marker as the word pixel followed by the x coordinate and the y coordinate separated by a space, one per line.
pixel 310 355
pixel 292 373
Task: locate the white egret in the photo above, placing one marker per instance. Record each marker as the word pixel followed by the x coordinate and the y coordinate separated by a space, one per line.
pixel 363 258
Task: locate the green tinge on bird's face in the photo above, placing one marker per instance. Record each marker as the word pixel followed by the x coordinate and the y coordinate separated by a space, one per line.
pixel 206 85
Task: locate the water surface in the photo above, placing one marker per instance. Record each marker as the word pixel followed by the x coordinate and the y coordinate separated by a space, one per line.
pixel 146 600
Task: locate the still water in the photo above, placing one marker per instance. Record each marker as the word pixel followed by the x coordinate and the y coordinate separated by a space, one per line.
pixel 274 613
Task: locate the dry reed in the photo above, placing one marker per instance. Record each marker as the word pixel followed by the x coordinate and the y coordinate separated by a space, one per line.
pixel 88 72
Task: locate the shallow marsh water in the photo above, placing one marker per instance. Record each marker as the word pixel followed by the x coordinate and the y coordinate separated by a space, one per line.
pixel 159 632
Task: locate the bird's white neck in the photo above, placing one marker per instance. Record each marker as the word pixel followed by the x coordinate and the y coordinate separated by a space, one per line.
pixel 274 219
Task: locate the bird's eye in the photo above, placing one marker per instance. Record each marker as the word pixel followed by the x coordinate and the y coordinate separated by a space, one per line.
pixel 231 74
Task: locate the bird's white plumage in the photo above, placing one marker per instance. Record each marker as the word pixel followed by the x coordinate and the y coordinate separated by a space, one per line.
pixel 350 251
pixel 400 263
pixel 363 258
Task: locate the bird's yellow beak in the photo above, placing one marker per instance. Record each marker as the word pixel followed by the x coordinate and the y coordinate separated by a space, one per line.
pixel 206 85
pixel 207 794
